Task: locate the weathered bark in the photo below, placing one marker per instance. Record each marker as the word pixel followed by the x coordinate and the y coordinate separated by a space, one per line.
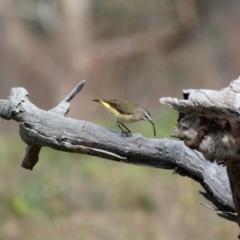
pixel 50 128
pixel 209 121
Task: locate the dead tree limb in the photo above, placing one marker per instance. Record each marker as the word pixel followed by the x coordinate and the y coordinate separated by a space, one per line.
pixel 39 128
pixel 32 152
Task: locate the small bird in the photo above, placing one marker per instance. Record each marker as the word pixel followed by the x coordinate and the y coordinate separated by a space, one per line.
pixel 126 111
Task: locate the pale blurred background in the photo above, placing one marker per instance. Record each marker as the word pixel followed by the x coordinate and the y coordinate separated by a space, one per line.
pixel 138 50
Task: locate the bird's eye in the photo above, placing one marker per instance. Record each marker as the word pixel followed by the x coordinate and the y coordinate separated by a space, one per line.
pixel 147 115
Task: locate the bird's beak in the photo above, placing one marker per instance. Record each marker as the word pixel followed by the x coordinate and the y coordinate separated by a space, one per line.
pixel 154 129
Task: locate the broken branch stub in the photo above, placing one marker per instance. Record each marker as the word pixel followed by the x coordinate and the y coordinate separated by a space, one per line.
pixel 19 108
pixel 209 121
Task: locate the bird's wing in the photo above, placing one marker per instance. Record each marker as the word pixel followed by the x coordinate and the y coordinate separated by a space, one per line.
pixel 123 108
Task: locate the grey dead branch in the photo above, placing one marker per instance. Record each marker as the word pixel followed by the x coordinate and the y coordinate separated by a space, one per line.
pixel 208 123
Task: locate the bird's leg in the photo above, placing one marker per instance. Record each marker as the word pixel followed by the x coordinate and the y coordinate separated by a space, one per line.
pixel 125 127
pixel 121 124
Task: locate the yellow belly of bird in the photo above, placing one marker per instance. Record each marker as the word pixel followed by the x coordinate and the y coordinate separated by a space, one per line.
pixel 125 118
pixel 119 116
